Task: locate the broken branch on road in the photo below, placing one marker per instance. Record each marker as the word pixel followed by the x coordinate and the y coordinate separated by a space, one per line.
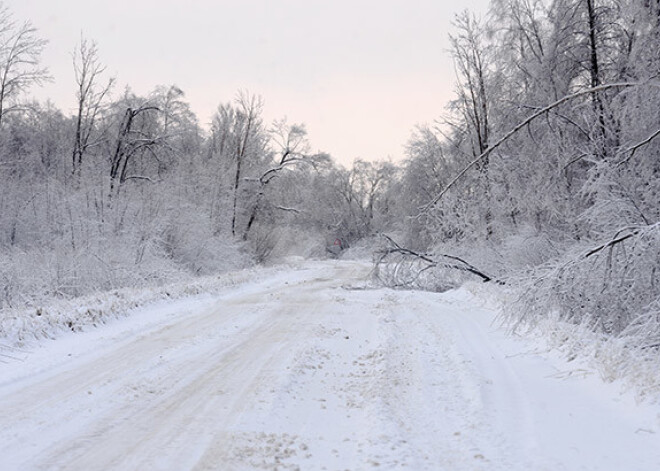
pixel 400 267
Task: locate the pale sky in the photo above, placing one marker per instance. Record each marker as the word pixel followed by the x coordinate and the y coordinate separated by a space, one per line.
pixel 360 74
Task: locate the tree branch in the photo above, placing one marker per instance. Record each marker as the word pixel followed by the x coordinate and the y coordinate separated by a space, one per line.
pixel 517 128
pixel 611 243
pixel 633 149
pixel 291 210
pixel 139 177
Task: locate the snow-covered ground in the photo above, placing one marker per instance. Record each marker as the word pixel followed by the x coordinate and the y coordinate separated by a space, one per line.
pixel 304 370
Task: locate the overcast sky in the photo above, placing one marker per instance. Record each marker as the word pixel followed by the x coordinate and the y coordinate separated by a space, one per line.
pixel 359 73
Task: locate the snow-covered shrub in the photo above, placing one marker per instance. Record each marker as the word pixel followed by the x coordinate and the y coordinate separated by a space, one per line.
pixel 32 277
pixel 192 245
pixel 602 304
pixel 50 317
pixel 614 287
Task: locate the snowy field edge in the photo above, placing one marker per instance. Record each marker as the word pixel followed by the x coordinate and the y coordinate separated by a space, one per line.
pixel 22 327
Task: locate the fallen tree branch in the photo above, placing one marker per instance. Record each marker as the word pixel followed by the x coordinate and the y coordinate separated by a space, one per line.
pixel 395 248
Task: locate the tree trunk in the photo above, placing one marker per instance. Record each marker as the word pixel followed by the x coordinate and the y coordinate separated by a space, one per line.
pixel 595 72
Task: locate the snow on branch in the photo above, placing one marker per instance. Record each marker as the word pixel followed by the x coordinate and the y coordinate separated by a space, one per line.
pixel 290 210
pixel 616 240
pixel 612 289
pixel 633 149
pixel 517 128
pixel 400 267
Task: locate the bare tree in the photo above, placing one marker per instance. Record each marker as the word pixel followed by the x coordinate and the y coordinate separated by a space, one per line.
pixel 250 107
pixel 368 182
pixel 20 49
pixel 470 58
pixel 293 149
pixel 131 142
pixel 470 53
pixel 87 69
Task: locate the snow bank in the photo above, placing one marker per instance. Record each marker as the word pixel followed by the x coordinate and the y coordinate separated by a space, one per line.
pixel 617 359
pixel 20 327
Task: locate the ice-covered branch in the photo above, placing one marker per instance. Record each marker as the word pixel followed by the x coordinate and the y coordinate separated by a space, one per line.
pixel 517 128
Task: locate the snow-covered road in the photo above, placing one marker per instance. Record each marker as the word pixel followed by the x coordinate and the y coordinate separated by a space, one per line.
pixel 300 371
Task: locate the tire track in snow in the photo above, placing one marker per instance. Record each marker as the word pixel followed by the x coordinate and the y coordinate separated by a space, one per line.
pixel 183 389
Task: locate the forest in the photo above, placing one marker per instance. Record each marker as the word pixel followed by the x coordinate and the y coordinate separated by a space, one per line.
pixel 542 175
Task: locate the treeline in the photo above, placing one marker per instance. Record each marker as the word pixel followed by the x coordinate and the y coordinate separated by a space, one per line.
pixel 545 170
pixel 543 173
pixel 131 191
